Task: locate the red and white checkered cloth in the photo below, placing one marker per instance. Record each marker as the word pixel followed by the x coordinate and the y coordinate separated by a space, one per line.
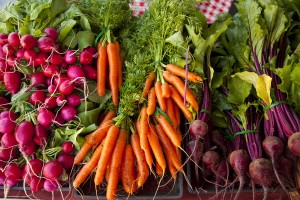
pixel 210 10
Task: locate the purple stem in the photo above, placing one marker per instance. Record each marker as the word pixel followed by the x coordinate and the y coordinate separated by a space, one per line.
pixel 186 74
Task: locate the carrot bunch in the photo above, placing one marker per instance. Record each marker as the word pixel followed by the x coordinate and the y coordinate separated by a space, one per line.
pixel 109 69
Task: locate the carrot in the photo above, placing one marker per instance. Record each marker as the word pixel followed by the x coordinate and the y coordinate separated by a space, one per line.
pixel 178 133
pixel 179 101
pixel 178 71
pixel 87 169
pixel 160 99
pixel 168 129
pixel 128 174
pixel 151 102
pixel 171 167
pixel 108 148
pixel 100 133
pixel 115 165
pixel 147 150
pixel 143 170
pixel 171 113
pixel 169 148
pixel 179 85
pixel 101 68
pixel 109 115
pixel 159 171
pixel 120 72
pixel 156 147
pixel 82 152
pixel 143 130
pixel 165 90
pixel 107 170
pixel 148 84
pixel 114 65
pixel 177 113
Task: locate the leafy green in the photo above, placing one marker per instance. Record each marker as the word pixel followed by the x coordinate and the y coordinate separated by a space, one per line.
pixel 239 90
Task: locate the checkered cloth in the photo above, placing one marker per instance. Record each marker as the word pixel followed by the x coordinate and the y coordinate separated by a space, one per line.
pixel 210 10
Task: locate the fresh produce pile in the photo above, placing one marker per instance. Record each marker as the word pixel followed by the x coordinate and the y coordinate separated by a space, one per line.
pixel 90 91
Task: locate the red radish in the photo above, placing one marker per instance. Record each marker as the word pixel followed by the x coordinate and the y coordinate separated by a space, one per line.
pixel 3 39
pixel 60 78
pixel 45 117
pixel 52 170
pixel 51 89
pixel 68 113
pixel 64 65
pixel 50 186
pixel 56 59
pixel 85 57
pixel 89 72
pixel 8 114
pixel 66 87
pixel 11 182
pixel 46 44
pixel 75 73
pixel 239 160
pixel 7 154
pixel 68 147
pixel 11 60
pixel 40 59
pixel 3 66
pixel 50 102
pixel 51 32
pixel 294 143
pixel 4 103
pixel 8 50
pixel 12 81
pixel 34 167
pixel 70 57
pixel 50 70
pixel 38 78
pixel 12 170
pixel 40 132
pixel 59 120
pixel 91 49
pixel 20 53
pixel 73 100
pixel 14 39
pixel 60 100
pixel 7 125
pixel 2 179
pixel 38 97
pixel 29 148
pixel 9 140
pixel 28 41
pixel 24 132
pixel 26 177
pixel 66 160
pixel 30 54
pixel 198 129
pixel 36 183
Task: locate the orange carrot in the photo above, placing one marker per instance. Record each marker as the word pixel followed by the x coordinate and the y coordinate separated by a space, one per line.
pixel 171 113
pixel 109 115
pixel 169 148
pixel 120 72
pixel 178 71
pixel 177 113
pixel 100 133
pixel 114 65
pixel 107 171
pixel 160 99
pixel 143 130
pixel 178 133
pixel 101 68
pixel 128 174
pixel 148 84
pixel 171 167
pixel 82 152
pixel 156 147
pixel 159 171
pixel 151 102
pixel 143 170
pixel 108 148
pixel 179 101
pixel 115 165
pixel 168 129
pixel 87 169
pixel 165 90
pixel 179 85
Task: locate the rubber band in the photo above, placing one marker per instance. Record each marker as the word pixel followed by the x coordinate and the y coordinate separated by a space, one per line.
pixel 205 111
pixel 99 35
pixel 273 105
pixel 232 137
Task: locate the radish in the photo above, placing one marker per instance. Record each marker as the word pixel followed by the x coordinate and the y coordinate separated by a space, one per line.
pixel 50 70
pixel 11 61
pixel 68 113
pixel 66 87
pixel 85 57
pixel 28 41
pixel 56 59
pixel 20 53
pixel 7 125
pixel 11 182
pixel 75 73
pixel 45 117
pixel 60 100
pixel 8 114
pixel 66 160
pixel 3 66
pixel 70 57
pixel 60 78
pixel 198 129
pixel 3 39
pixel 46 44
pixel 59 120
pixel 37 97
pixel 50 186
pixel 12 81
pixel 50 102
pixel 73 100
pixel 2 179
pixel 91 49
pixel 89 72
pixel 68 147
pixel 36 183
pixel 9 140
pixel 29 148
pixel 4 103
pixel 8 154
pixel 51 89
pixel 239 160
pixel 294 143
pixel 34 167
pixel 51 32
pixel 52 170
pixel 40 59
pixel 261 172
pixel 24 132
pixel 14 39
pixel 12 170
pixel 30 55
pixel 38 78
pixel 8 50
